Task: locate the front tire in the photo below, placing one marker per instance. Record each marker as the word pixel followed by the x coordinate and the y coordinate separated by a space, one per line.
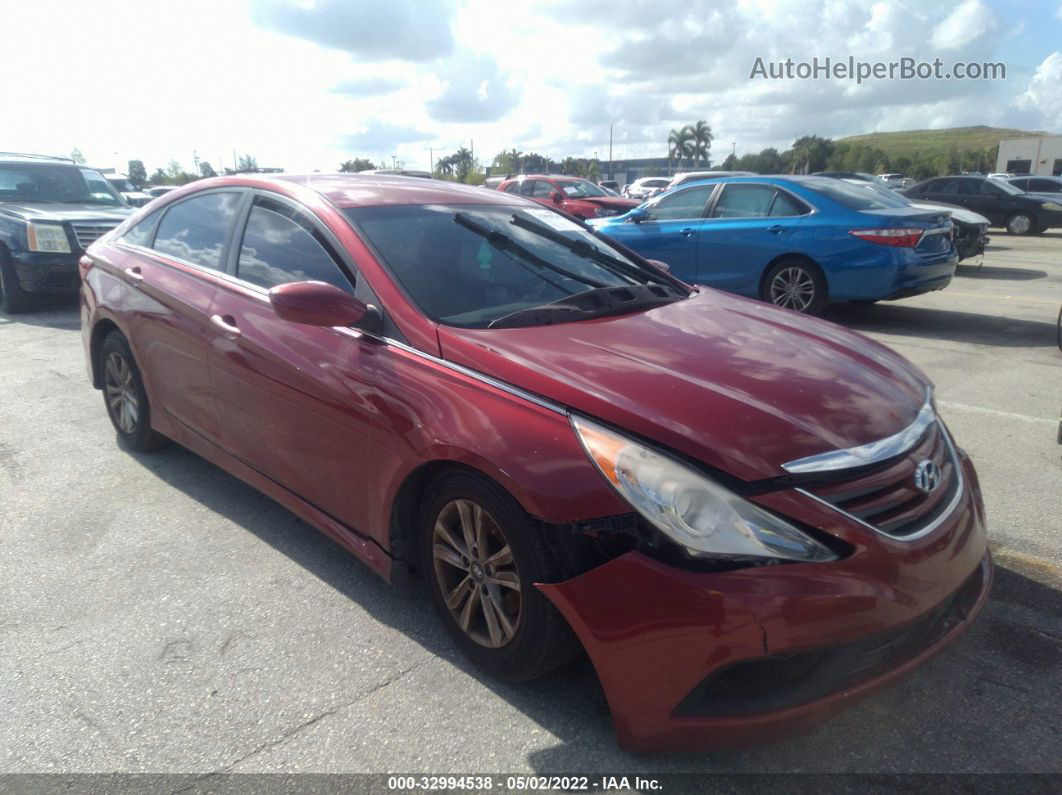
pixel 13 299
pixel 796 284
pixel 1020 224
pixel 481 555
pixel 125 398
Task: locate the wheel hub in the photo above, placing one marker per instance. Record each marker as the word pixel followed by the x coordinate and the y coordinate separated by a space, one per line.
pixel 476 573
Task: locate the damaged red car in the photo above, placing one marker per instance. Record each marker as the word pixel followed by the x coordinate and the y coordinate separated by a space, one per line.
pixel 746 517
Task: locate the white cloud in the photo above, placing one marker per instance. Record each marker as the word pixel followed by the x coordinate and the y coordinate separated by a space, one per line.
pixel 970 20
pixel 1043 95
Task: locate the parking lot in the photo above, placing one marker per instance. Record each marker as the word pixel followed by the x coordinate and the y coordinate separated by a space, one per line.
pixel 156 614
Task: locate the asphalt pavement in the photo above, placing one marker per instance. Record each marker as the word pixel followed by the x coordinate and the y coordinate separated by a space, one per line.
pixel 156 614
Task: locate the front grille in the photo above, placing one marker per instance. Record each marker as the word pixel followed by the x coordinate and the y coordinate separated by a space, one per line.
pixel 87 232
pixel 888 499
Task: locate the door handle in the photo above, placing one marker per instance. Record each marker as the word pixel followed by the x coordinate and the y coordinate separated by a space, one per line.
pixel 134 275
pixel 687 232
pixel 775 228
pixel 227 324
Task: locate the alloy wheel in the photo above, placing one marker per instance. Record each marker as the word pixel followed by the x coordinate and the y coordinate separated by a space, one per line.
pixel 120 389
pixel 792 288
pixel 476 573
pixel 1019 225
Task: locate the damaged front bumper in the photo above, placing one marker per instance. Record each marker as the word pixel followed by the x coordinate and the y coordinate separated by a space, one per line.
pixel 697 660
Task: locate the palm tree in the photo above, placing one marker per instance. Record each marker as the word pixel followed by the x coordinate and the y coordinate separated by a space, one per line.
pixel 702 140
pixel 680 144
pixel 446 165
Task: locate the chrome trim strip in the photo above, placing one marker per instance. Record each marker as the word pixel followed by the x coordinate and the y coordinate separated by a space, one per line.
pixel 960 487
pixel 871 452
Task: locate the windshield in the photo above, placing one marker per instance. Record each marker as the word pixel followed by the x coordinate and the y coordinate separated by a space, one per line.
pixel 447 262
pixel 878 188
pixel 39 182
pixel 855 197
pixel 122 184
pixel 580 188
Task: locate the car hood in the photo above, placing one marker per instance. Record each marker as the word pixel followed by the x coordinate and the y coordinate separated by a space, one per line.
pixel 957 212
pixel 1044 197
pixel 740 385
pixel 611 201
pixel 32 211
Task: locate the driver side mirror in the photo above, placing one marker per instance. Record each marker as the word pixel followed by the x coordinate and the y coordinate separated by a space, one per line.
pixel 316 304
pixel 639 214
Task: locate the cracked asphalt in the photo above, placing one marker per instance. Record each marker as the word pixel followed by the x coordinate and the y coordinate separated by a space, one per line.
pixel 157 615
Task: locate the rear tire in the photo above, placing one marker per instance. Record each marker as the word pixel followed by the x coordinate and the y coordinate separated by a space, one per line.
pixel 125 398
pixel 482 581
pixel 13 299
pixel 1021 224
pixel 795 283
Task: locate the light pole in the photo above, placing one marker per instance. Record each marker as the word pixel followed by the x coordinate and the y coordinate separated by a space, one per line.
pixel 610 150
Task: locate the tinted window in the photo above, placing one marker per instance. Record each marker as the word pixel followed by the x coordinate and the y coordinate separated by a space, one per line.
pixel 140 233
pixel 744 201
pixel 854 197
pixel 542 190
pixel 786 205
pixel 512 187
pixel 990 188
pixel 687 203
pixel 526 187
pixel 55 183
pixel 1043 185
pixel 1020 183
pixel 194 230
pixel 281 246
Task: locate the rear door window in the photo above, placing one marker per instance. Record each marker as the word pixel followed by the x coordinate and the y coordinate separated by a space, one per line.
pixel 744 201
pixel 786 206
pixel 280 245
pixel 195 229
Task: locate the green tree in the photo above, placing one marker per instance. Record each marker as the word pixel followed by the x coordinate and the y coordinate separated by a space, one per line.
pixel 811 153
pixel 159 177
pixel 137 173
pixel 77 157
pixel 356 165
pixel 702 141
pixel 681 145
pixel 247 163
pixel 206 170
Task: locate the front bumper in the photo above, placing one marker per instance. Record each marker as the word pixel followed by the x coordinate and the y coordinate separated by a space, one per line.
pixel 42 272
pixel 674 648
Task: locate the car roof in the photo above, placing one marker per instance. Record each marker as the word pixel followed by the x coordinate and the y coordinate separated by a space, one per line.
pixel 17 157
pixel 357 190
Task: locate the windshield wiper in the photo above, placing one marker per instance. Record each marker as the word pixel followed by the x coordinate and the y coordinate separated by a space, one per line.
pixel 502 241
pixel 589 303
pixel 584 249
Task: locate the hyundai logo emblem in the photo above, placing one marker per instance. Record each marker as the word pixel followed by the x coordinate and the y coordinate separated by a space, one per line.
pixel 927 476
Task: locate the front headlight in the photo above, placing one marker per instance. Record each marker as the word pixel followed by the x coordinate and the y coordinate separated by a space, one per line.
pixel 1053 206
pixel 689 508
pixel 47 237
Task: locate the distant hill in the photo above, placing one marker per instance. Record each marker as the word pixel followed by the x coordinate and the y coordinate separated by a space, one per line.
pixel 938 142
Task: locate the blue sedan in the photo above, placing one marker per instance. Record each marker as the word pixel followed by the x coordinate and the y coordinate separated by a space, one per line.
pixel 796 241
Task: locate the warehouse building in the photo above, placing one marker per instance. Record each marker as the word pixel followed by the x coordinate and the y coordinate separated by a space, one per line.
pixel 1038 156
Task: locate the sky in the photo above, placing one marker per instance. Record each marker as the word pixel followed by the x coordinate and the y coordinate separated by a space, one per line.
pixel 306 84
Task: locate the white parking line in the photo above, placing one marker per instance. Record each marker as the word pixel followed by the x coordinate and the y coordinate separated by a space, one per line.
pixel 995 412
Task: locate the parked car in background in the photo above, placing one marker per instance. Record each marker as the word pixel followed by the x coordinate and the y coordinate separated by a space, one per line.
pixel 495 181
pixel 574 195
pixel 133 196
pixel 689 176
pixel 646 187
pixel 850 175
pixel 796 241
pixel 1000 202
pixel 746 518
pixel 398 172
pixel 610 185
pixel 159 190
pixel 1000 175
pixel 50 211
pixel 971 229
pixel 1037 184
pixel 892 180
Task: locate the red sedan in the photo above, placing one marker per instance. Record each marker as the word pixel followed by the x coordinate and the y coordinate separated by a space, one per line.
pixel 574 195
pixel 747 517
